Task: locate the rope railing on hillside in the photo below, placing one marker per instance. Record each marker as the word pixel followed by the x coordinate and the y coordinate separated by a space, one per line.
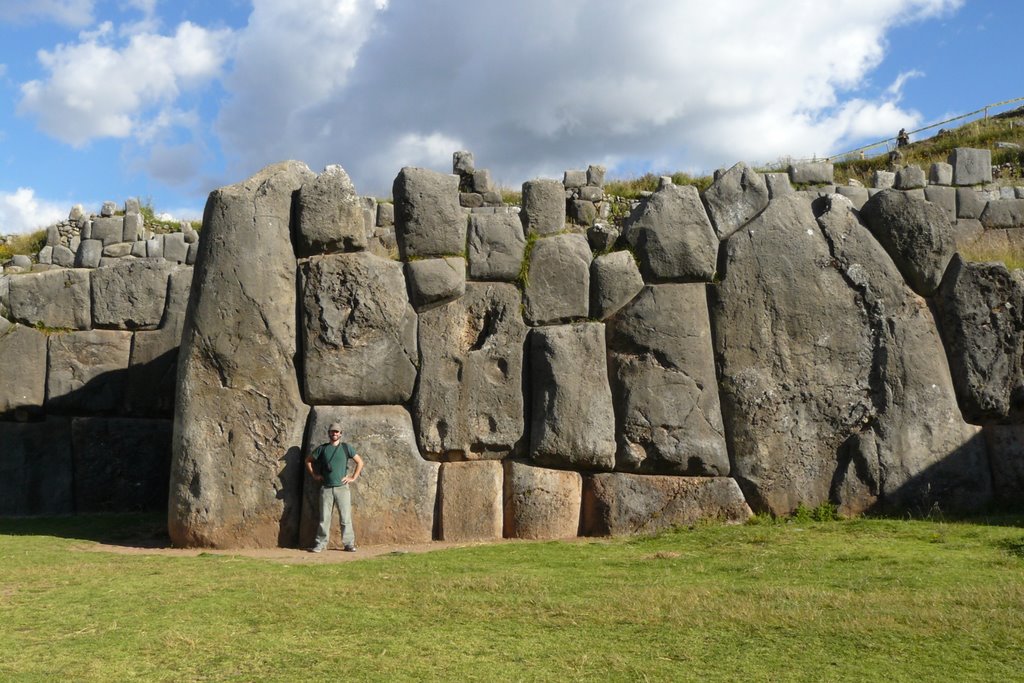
pixel 859 151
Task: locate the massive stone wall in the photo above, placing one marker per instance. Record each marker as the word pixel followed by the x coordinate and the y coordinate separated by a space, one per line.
pixel 536 373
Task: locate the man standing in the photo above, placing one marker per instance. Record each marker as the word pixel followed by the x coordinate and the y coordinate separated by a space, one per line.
pixel 328 465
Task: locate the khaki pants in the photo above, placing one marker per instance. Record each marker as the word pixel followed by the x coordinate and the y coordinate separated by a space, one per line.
pixel 340 496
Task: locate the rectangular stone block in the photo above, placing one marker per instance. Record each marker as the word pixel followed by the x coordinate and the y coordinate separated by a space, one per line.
pixel 35 468
pixel 56 299
pixel 175 248
pixel 1006 457
pixel 87 370
pixel 574 179
pixel 858 196
pixel 428 219
pixel 471 500
pixel 910 178
pixel 940 174
pixel 812 172
pixel 969 203
pixel 23 379
pixel 130 295
pixel 1003 214
pixel 944 196
pixel 778 184
pixel 971 166
pixel 134 225
pixel 541 503
pixel 120 465
pixel 620 504
pixel 108 230
pixel 543 210
pixel 883 180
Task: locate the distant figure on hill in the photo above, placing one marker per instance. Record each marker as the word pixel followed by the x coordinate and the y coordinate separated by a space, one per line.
pixel 902 139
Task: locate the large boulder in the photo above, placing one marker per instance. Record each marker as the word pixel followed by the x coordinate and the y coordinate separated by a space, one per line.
pixel 543 210
pixel 469 399
pixel 734 198
pixel 971 166
pixel 620 504
pixel 663 381
pixel 496 246
pixel 981 308
pixel 86 371
pixel 916 234
pixel 428 218
pixel 330 215
pixel 55 298
pixel 558 282
pixel 541 503
pixel 833 381
pixel 120 465
pixel 435 281
pixel 23 383
pixel 35 468
pixel 470 501
pixel 358 331
pixel 393 501
pixel 130 295
pixel 236 471
pixel 672 237
pixel 573 421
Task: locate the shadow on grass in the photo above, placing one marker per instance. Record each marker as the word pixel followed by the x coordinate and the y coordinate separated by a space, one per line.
pixel 136 530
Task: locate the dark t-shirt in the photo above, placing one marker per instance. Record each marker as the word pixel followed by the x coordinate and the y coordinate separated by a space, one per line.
pixel 337 457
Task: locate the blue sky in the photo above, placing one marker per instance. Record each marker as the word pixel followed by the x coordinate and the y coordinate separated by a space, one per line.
pixel 166 101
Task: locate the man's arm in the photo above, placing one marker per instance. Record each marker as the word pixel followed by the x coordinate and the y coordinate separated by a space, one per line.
pixel 309 467
pixel 359 468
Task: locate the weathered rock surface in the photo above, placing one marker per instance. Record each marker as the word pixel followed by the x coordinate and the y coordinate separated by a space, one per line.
pixel 812 173
pixel 428 219
pixel 672 236
pixel 778 184
pixel 108 230
pixel 358 331
pixel 573 421
pixel 833 380
pixel 910 178
pixel 35 468
pixel 1003 213
pixel 120 465
pixel 619 504
pixel 56 298
pixel 393 501
pixel 663 381
pixel 436 281
pixel 916 234
pixel 543 207
pixel 130 295
pixel 981 309
pixel 738 195
pixel 236 470
pixel 944 197
pixel 330 216
pixel 470 501
pixel 86 371
pixel 558 283
pixel 469 400
pixel 971 166
pixel 1006 454
pixel 496 246
pixel 614 280
pixel 541 503
pixel 23 384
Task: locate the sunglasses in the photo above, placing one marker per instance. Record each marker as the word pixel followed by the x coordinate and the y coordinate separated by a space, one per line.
pixel 334 431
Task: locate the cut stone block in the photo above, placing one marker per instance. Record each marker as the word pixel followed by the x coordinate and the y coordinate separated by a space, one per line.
pixel 543 211
pixel 87 370
pixel 574 179
pixel 778 184
pixel 858 196
pixel 541 503
pixel 736 197
pixel 56 299
pixel 496 247
pixel 330 215
pixel 1003 214
pixel 940 174
pixel 470 501
pixel 943 196
pixel 433 282
pixel 175 248
pixel 812 172
pixel 358 331
pixel 120 465
pixel 428 219
pixel 672 237
pixel 971 166
pixel 558 281
pixel 621 504
pixel 1006 455
pixel 969 203
pixel 23 382
pixel 35 468
pixel 883 180
pixel 573 423
pixel 614 280
pixel 469 398
pixel 130 295
pixel 89 254
pixel 108 230
pixel 910 178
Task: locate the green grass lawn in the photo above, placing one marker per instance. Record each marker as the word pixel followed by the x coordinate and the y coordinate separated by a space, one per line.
pixel 856 600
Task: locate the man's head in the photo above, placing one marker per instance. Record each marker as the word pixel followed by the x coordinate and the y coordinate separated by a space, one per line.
pixel 334 431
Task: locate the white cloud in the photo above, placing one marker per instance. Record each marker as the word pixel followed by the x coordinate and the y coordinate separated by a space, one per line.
pixel 22 211
pixel 96 89
pixel 535 87
pixel 67 12
pixel 895 89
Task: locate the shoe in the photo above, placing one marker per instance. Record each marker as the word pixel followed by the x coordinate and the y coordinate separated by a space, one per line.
pixel 317 549
pixel 349 549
